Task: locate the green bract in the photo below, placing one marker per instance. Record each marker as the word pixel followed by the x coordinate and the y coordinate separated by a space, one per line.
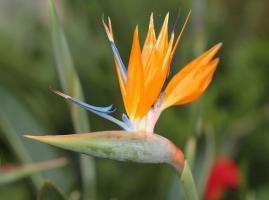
pixel 120 145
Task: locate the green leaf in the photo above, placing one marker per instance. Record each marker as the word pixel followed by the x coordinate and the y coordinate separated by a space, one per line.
pixel 71 85
pixel 12 128
pixel 206 160
pixel 50 192
pixel 68 76
pixel 11 173
pixel 16 144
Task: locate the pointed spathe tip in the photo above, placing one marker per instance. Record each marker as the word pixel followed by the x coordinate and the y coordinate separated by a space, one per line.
pixel 34 137
pixel 43 138
pixel 30 136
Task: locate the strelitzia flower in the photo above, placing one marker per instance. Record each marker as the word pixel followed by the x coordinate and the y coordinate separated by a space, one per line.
pixel 144 99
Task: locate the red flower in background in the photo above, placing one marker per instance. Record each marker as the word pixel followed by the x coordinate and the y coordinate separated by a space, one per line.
pixel 224 175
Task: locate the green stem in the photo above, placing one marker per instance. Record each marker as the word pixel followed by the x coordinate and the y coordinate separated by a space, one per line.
pixel 71 85
pixel 87 167
pixel 188 184
pixel 190 150
pixel 199 13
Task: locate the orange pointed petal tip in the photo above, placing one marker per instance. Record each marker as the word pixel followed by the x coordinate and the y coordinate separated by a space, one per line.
pixel 149 42
pixel 142 83
pixel 162 41
pixel 190 83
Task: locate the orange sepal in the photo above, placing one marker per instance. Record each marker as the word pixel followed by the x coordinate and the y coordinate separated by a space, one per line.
pixel 158 52
pixel 134 78
pixel 190 83
pixel 155 70
pixel 152 90
pixel 149 42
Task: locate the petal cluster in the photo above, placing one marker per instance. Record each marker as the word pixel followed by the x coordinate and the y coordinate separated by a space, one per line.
pixel 141 85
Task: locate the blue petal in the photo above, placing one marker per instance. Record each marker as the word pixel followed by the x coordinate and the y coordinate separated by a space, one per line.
pixel 116 53
pixel 100 111
pixel 119 60
pixel 112 119
pixel 107 109
pixel 127 121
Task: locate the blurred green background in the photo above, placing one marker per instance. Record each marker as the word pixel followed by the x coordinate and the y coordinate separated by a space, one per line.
pixel 234 109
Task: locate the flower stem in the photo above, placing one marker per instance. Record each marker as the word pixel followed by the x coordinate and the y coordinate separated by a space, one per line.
pixel 188 184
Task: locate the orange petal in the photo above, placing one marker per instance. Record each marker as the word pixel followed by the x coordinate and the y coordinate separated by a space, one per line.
pixel 192 80
pixel 155 60
pixel 121 82
pixel 152 90
pixel 149 42
pixel 162 41
pixel 134 77
pixel 202 83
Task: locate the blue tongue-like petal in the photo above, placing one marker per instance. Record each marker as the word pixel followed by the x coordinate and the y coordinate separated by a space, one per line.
pixel 106 109
pixel 123 71
pixel 100 111
pixel 126 121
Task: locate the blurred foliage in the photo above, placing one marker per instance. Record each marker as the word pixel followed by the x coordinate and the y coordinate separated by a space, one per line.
pixel 50 192
pixel 11 173
pixel 234 108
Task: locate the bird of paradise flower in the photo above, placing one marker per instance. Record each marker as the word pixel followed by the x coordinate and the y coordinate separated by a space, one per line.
pixel 144 100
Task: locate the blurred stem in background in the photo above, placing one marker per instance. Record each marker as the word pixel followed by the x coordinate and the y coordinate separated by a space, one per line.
pixel 197 124
pixel 198 22
pixel 71 85
pixel 12 173
pixel 242 127
pixel 17 146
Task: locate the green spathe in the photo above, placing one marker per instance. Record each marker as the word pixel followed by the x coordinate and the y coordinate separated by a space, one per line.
pixel 139 146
